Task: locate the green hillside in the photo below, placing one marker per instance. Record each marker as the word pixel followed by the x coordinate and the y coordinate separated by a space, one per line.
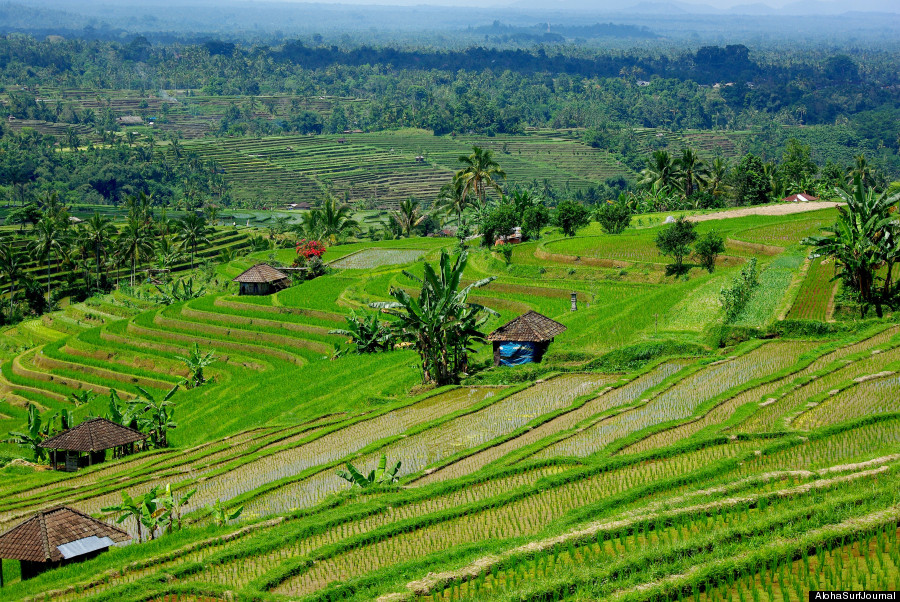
pixel 653 455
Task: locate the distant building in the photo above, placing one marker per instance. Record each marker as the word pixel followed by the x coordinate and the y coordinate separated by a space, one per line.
pixel 262 279
pixel 55 537
pixel 130 120
pixel 799 198
pixel 524 340
pixel 643 83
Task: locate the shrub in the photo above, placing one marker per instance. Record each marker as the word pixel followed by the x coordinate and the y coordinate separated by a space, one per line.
pixel 676 241
pixel 708 248
pixel 614 217
pixel 735 296
pixel 570 217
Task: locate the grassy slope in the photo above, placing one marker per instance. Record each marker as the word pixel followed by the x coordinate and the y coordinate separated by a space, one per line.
pixel 259 382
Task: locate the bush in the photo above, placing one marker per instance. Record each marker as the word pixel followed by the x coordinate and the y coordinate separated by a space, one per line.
pixel 735 296
pixel 708 248
pixel 614 217
pixel 676 241
pixel 570 217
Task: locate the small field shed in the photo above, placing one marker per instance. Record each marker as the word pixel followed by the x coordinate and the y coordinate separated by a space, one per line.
pixel 524 340
pixel 92 437
pixel 262 279
pixel 55 537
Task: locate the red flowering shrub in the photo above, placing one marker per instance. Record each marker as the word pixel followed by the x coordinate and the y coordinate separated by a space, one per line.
pixel 307 249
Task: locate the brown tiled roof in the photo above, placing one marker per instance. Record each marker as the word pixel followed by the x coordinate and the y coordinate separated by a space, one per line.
pixel 94 434
pixel 531 326
pixel 261 272
pixel 37 538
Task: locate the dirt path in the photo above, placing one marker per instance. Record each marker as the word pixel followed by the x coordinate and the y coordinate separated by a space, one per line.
pixel 784 209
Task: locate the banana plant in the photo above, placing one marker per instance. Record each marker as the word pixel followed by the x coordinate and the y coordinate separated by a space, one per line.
pixel 144 510
pixel 196 361
pixel 171 505
pixel 377 476
pixel 33 435
pixel 80 398
pixel 222 516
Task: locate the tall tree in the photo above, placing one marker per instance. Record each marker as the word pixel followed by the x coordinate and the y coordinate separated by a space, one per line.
pixel 408 216
pixel 440 323
pixel 99 233
pixel 192 231
pixel 864 240
pixel 49 240
pixel 692 171
pixel 334 219
pixel 660 173
pixel 135 243
pixel 12 265
pixel 480 171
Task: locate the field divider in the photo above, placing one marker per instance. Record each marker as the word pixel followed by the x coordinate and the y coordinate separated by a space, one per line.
pixel 218 343
pixel 45 361
pixel 296 566
pixel 805 360
pixel 222 301
pixel 65 382
pixel 172 471
pixel 437 581
pixel 241 333
pixel 578 403
pixel 233 319
pixel 746 411
pixel 375 445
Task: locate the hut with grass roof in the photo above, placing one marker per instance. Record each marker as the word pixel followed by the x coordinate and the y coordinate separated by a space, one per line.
pixel 55 537
pixel 524 340
pixel 85 444
pixel 262 279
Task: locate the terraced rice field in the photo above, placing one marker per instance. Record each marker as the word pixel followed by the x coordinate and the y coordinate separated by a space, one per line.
pixel 759 471
pixel 375 258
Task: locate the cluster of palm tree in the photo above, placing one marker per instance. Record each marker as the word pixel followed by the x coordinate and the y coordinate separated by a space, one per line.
pixel 440 323
pixel 683 175
pixel 470 185
pixel 96 246
pixel 865 241
pixel 331 222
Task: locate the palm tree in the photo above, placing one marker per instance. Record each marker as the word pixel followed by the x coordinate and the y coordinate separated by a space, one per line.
pixel 98 233
pixel 479 173
pixel 661 172
pixel 692 170
pixel 192 231
pixel 452 197
pixel 334 219
pixel 718 174
pixel 408 216
pixel 862 170
pixel 12 265
pixel 135 243
pixel 49 239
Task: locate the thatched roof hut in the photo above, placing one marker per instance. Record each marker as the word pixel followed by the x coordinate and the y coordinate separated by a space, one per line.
pixel 262 279
pixel 93 436
pixel 525 339
pixel 57 536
